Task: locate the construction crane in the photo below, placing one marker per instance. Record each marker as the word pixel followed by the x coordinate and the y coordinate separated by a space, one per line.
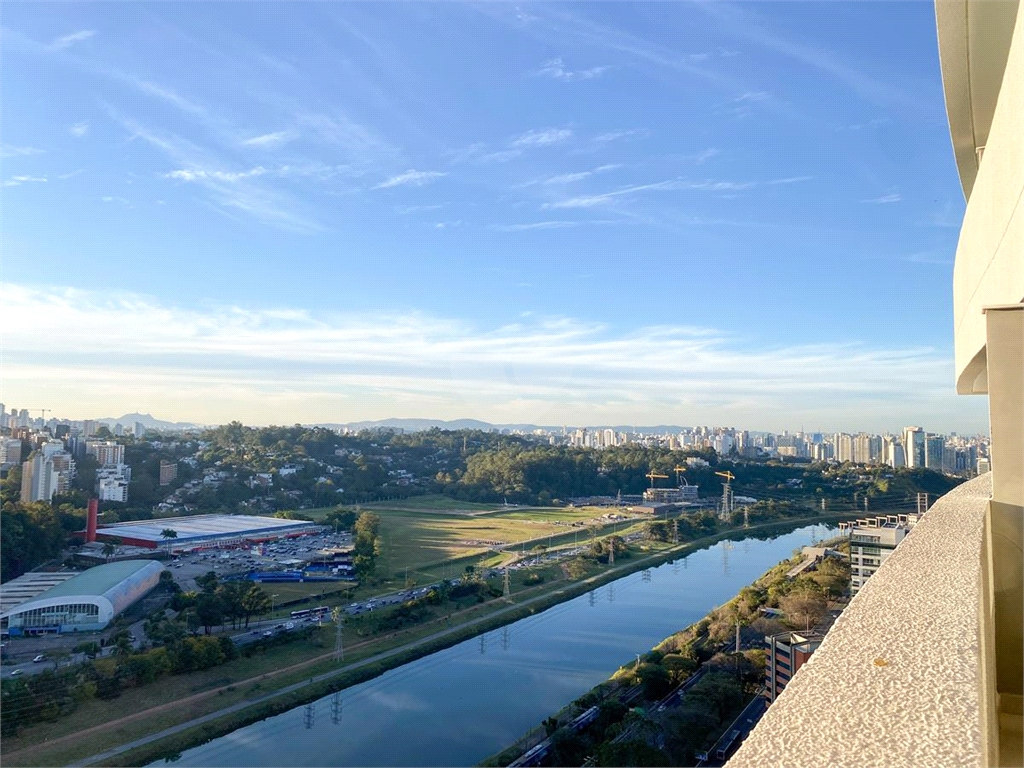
pixel 679 472
pixel 42 411
pixel 654 475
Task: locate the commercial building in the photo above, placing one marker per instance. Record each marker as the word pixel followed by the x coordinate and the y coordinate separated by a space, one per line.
pixel 913 446
pixel 205 531
pixel 77 602
pixel 684 494
pixel 787 652
pixel 872 540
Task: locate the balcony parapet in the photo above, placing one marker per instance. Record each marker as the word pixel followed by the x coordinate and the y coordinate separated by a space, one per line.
pixel 899 679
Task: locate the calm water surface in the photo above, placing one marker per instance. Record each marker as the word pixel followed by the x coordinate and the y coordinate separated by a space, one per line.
pixel 459 705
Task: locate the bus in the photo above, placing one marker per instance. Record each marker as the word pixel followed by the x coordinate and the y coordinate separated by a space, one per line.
pixel 728 745
pixel 311 612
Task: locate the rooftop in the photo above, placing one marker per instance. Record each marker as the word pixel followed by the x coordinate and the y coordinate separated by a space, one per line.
pixel 95 581
pixel 200 527
pixel 28 586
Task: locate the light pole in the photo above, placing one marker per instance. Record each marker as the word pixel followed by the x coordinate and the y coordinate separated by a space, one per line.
pixel 272 599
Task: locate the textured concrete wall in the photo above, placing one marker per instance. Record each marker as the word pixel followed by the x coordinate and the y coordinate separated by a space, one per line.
pixel 898 679
pixel 989 267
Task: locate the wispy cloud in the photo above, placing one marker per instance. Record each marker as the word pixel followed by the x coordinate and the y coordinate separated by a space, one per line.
pixel 234 358
pixel 569 178
pixel 542 137
pixel 115 199
pixel 197 174
pixel 15 181
pixel 892 197
pixel 624 133
pixel 535 225
pixel 411 178
pixel 75 37
pixel 555 68
pixel 268 140
pixel 79 129
pixel 669 184
pixel 8 150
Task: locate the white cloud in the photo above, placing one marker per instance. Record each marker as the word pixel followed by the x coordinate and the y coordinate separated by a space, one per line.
pixel 268 140
pixel 195 174
pixel 79 129
pixel 591 201
pixel 74 37
pixel 892 197
pixel 754 96
pixel 626 133
pixel 8 150
pixel 238 357
pixel 14 181
pixel 535 225
pixel 411 178
pixel 542 137
pixel 115 199
pixel 556 69
pixel 569 178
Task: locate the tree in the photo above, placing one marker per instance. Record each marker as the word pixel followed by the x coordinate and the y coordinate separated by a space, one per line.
pixel 167 534
pixel 209 610
pixel 110 547
pixel 255 602
pixel 805 605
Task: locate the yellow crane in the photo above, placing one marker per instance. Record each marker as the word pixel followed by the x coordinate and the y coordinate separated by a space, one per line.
pixel 679 472
pixel 653 475
pixel 729 476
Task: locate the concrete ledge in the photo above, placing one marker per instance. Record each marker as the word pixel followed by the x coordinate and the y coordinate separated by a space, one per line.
pixel 897 680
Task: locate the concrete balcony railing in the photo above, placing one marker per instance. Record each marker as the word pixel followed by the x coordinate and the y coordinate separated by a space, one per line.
pixel 905 676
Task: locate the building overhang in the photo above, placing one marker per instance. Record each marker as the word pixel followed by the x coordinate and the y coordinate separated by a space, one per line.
pixel 974 43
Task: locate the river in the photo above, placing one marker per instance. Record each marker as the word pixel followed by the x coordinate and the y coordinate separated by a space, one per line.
pixel 459 705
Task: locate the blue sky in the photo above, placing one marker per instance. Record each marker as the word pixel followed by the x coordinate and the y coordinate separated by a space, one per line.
pixel 692 213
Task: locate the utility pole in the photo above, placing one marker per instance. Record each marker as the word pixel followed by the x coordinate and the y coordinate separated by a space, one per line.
pixel 737 635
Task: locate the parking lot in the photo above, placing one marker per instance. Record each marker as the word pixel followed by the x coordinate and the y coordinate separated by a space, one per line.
pixel 282 554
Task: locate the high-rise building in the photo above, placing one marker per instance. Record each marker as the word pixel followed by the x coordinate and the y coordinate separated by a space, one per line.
pixel 139 430
pixel 106 452
pixel 168 472
pixel 787 652
pixel 933 445
pixel 10 452
pixel 913 446
pixel 872 540
pixel 118 429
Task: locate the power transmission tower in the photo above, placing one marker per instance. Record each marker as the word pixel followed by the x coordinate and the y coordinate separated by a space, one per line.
pixel 339 647
pixel 922 503
pixel 611 552
pixel 309 716
pixel 508 583
pixel 336 708
pixel 675 531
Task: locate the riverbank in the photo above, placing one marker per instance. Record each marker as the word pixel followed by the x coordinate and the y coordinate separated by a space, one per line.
pixel 686 670
pixel 247 700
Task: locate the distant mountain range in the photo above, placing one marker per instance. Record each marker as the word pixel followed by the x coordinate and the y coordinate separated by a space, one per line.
pixel 146 419
pixel 415 425
pixel 409 425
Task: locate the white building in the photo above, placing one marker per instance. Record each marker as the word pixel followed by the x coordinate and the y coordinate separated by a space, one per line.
pixel 872 540
pixel 112 483
pixel 10 452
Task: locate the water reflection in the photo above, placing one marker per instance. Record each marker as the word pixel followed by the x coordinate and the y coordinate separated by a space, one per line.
pixel 457 706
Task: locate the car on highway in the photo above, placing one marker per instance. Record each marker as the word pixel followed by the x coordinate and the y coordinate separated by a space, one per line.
pixel 290 625
pixel 268 633
pixel 39 658
pixel 16 672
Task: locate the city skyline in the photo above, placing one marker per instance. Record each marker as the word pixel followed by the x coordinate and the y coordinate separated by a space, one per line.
pixel 368 225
